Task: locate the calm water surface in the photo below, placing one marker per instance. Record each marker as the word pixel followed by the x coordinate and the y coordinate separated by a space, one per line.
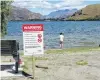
pixel 77 33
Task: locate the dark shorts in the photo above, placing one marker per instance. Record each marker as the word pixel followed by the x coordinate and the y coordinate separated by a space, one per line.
pixel 61 42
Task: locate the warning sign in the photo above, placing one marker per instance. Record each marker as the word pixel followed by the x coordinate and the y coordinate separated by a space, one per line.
pixel 33 39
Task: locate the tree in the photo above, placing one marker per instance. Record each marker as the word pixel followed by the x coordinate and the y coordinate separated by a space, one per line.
pixel 5 12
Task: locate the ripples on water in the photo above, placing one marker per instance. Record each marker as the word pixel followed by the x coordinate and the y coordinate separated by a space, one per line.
pixel 77 33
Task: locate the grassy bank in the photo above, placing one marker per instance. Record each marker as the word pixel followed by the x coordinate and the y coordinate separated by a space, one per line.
pixel 52 51
pixel 72 50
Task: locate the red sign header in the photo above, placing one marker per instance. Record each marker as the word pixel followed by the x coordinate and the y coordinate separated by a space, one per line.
pixel 32 27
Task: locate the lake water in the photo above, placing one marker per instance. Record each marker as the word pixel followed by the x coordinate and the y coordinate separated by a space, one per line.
pixel 77 33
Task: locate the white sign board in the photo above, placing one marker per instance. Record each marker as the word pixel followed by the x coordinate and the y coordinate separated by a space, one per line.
pixel 33 39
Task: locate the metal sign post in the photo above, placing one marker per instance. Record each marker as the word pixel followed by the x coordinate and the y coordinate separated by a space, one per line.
pixel 33 41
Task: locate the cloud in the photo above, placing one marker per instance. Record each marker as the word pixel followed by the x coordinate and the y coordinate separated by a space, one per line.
pixel 26 3
pixel 68 3
pixel 46 4
pixel 76 7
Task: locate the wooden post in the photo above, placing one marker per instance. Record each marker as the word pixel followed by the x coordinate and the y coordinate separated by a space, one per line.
pixel 33 66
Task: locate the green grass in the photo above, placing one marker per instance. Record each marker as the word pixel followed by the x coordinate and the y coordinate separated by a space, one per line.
pixel 82 62
pixel 72 50
pixel 21 54
pixel 36 58
pixel 28 62
pixel 41 58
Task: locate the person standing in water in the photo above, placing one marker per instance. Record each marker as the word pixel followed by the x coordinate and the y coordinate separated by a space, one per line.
pixel 61 40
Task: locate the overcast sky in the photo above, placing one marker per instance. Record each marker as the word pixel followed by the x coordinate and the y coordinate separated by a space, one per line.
pixel 46 6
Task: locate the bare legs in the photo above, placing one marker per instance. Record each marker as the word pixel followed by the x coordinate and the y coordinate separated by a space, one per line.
pixel 61 45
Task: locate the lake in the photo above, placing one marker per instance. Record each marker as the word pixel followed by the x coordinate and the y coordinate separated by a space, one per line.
pixel 77 33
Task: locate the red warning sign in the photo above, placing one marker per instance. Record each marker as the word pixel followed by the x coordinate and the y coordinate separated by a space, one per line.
pixel 33 39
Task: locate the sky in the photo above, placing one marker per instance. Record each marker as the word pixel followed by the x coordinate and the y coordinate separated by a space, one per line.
pixel 44 7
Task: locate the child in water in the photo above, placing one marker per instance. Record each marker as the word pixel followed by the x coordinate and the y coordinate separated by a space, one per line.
pixel 61 40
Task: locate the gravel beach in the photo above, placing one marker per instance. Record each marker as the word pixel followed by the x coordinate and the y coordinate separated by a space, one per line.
pixel 63 67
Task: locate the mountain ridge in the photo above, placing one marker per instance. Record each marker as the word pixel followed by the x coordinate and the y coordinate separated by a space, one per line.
pixel 60 13
pixel 23 14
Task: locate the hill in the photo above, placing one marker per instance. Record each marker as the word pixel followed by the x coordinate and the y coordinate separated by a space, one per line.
pixel 23 14
pixel 90 12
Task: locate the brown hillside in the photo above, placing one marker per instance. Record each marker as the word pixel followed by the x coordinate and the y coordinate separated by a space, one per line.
pixel 23 14
pixel 89 12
